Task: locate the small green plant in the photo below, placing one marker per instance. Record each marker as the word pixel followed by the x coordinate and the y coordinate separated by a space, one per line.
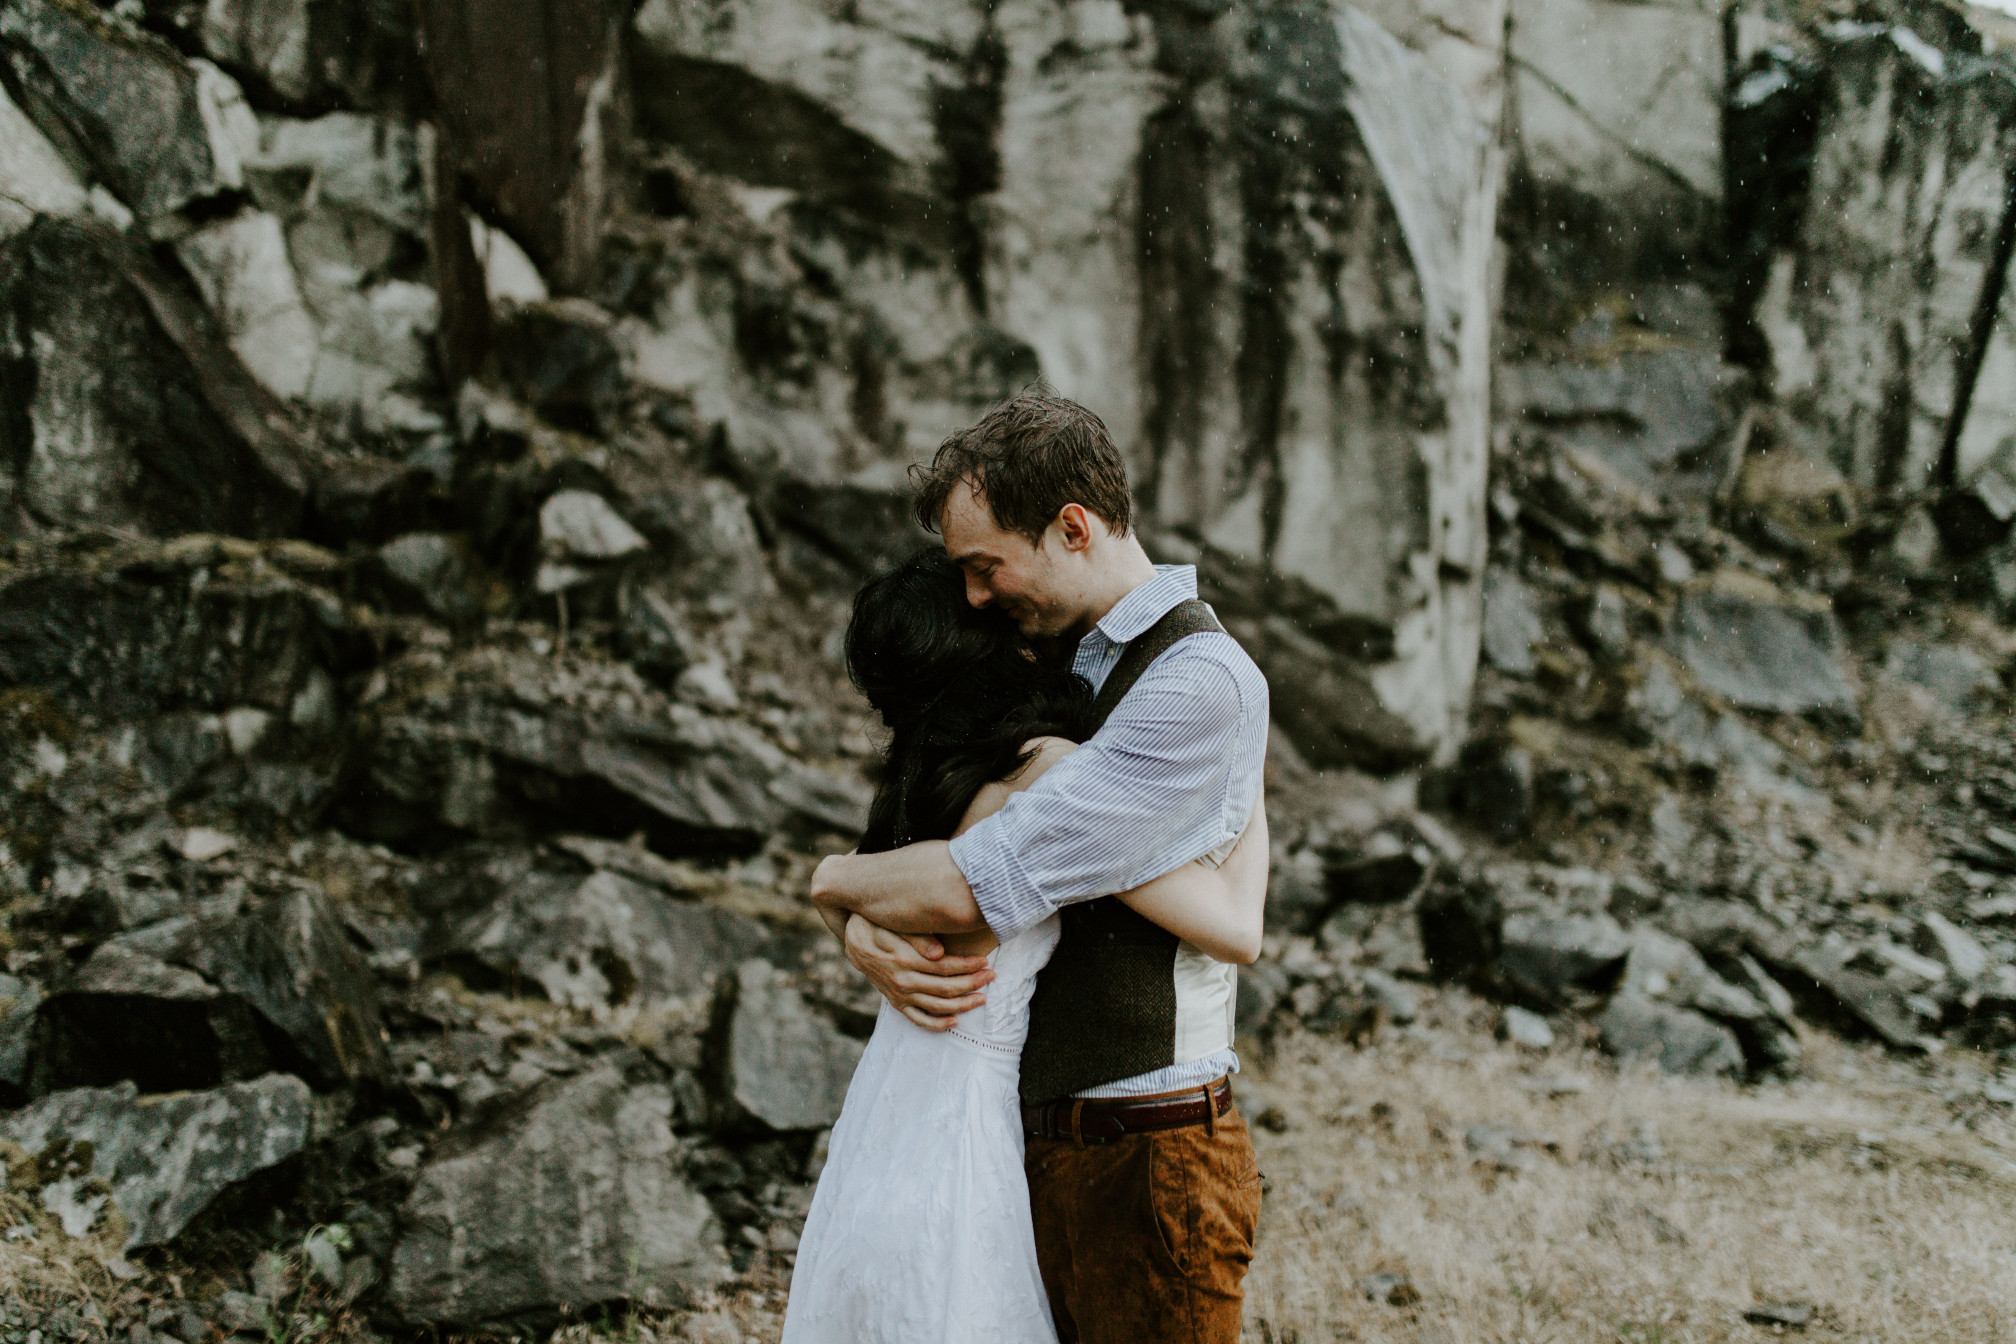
pixel 318 1260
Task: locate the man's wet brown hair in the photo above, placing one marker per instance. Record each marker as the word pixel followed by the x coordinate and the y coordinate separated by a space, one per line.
pixel 1028 458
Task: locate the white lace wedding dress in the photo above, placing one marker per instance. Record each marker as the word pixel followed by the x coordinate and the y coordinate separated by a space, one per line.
pixel 919 1231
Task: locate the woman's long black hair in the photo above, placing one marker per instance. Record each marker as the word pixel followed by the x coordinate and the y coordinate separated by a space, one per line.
pixel 959 689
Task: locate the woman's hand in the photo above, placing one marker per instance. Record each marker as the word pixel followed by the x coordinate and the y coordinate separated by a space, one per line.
pixel 914 973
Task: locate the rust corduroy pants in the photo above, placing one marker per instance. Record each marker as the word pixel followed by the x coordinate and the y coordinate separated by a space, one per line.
pixel 1146 1240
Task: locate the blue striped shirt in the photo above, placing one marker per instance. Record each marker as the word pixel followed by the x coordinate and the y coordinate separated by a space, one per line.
pixel 1172 775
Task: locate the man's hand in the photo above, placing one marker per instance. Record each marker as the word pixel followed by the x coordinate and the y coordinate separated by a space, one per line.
pixel 914 974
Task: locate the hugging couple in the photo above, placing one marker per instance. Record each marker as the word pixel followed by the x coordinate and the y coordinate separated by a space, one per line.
pixel 1060 869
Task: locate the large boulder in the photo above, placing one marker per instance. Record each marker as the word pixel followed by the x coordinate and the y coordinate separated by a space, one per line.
pixel 493 748
pixel 1760 648
pixel 126 405
pixel 1887 348
pixel 301 52
pixel 164 1158
pixel 124 106
pixel 570 1198
pixel 598 942
pixel 1562 960
pixel 1678 1040
pixel 783 1065
pixel 196 1002
pixel 206 624
pixel 35 178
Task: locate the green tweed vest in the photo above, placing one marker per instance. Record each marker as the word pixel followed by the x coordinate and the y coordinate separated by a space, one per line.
pixel 1105 1007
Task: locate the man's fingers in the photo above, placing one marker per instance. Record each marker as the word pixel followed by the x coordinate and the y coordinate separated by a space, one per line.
pixel 927 947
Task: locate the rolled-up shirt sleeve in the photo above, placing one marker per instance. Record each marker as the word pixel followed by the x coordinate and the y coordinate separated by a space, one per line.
pixel 1175 765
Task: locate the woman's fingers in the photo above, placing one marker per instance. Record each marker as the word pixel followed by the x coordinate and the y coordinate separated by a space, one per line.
pixel 928 1021
pixel 942 986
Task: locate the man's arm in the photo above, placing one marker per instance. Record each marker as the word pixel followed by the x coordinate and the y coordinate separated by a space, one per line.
pixel 1108 817
pixel 1152 790
pixel 916 889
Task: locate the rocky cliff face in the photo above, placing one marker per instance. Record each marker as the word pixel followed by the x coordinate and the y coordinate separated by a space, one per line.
pixel 438 444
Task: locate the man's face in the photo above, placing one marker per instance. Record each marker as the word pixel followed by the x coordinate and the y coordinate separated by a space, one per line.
pixel 1034 583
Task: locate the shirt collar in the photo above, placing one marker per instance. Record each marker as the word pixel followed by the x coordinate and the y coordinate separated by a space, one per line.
pixel 1149 603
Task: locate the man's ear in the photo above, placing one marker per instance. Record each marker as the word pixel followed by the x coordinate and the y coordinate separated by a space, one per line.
pixel 1075 526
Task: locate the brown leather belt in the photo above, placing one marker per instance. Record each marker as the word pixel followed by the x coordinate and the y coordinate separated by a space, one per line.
pixel 1104 1119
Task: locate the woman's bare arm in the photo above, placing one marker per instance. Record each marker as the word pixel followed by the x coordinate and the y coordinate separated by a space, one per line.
pixel 1218 910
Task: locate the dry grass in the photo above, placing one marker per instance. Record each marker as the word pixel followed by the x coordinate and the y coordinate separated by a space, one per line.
pixel 1861 1191
pixel 1881 1191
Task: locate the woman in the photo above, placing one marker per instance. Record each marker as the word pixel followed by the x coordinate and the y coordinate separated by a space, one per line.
pixel 920 1230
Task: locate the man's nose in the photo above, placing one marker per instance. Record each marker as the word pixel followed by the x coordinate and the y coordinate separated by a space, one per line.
pixel 977 592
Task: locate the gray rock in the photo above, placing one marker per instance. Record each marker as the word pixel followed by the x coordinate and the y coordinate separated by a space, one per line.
pixel 1979 514
pixel 581 525
pixel 1604 620
pixel 1298 893
pixel 1411 137
pixel 196 1002
pixel 173 629
pixel 1669 969
pixel 1794 1315
pixel 1645 415
pixel 1493 786
pixel 783 1065
pixel 1939 937
pixel 167 1158
pixel 570 1198
pixel 603 941
pixel 1394 871
pixel 1521 1026
pixel 1956 677
pixel 431 572
pixel 1400 1001
pixel 1323 701
pixel 124 107
pixel 1511 622
pixel 307 53
pixel 1849 998
pixel 1461 923
pixel 1562 960
pixel 1936 128
pixel 35 179
pixel 140 414
pixel 1763 651
pixel 496 757
pixel 1678 1040
pixel 653 638
pixel 1717 928
pixel 1262 987
pixel 359 164
pixel 19 1000
pixel 559 356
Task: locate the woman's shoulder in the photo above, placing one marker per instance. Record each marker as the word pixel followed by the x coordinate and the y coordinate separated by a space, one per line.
pixel 1040 753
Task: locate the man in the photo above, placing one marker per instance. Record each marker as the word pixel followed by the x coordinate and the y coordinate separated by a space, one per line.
pixel 1141 1175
